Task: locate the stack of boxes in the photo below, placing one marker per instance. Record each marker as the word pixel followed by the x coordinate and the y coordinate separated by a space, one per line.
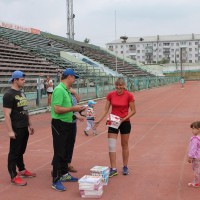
pixel 91 186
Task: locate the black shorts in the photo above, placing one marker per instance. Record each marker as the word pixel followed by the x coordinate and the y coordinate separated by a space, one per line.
pixel 124 128
pixel 49 92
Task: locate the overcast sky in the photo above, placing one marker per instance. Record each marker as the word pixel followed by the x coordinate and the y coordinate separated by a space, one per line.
pixel 95 19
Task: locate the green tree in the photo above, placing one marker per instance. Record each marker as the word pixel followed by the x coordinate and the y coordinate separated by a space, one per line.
pixel 87 40
pixel 163 61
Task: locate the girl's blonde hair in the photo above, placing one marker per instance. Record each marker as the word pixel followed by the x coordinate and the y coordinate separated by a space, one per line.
pixel 195 125
pixel 121 81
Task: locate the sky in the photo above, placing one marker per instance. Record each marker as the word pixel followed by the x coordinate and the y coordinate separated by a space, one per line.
pixel 104 20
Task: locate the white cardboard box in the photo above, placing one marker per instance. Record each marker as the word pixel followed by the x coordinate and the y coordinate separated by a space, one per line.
pixel 91 186
pixel 101 171
pixel 113 121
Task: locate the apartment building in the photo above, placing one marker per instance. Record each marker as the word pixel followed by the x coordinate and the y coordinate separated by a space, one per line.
pixel 156 49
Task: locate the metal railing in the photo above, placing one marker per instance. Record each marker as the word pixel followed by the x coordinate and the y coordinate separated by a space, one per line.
pixel 93 88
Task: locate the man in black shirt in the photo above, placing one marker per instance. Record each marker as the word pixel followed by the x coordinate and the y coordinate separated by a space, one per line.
pixel 15 108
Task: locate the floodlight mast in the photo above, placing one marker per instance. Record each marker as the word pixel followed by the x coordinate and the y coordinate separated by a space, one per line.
pixel 70 19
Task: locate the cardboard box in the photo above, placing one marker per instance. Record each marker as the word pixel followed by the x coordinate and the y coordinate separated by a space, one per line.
pixel 102 171
pixel 91 186
pixel 113 121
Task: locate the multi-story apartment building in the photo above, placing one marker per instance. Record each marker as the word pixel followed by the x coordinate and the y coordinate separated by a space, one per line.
pixel 156 49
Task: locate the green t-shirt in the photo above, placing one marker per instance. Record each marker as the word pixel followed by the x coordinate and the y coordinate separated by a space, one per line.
pixel 61 97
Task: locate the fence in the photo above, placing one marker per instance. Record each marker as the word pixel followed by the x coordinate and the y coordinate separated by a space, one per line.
pixel 93 88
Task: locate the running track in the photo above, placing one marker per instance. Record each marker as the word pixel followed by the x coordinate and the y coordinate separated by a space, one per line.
pixel 158 151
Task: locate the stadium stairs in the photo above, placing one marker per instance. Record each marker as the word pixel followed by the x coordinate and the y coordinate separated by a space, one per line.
pixel 13 57
pixel 43 47
pixel 35 54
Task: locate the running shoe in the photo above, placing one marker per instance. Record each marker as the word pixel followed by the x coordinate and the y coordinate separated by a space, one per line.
pixel 72 169
pixel 125 170
pixel 58 186
pixel 18 181
pixel 27 174
pixel 113 172
pixel 68 178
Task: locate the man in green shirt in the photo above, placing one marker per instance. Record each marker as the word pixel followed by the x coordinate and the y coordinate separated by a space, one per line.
pixel 62 117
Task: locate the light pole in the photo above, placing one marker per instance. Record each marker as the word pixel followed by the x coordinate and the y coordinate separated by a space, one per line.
pixel 70 19
pixel 181 55
pixel 176 59
pixel 124 39
pixel 157 48
pixel 115 40
pixel 142 39
pixel 181 59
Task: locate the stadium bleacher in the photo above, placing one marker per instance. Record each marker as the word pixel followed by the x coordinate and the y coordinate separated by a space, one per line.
pixel 102 56
pixel 40 53
pixel 13 57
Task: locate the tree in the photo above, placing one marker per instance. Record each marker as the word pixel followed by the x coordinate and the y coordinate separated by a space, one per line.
pixel 87 40
pixel 163 61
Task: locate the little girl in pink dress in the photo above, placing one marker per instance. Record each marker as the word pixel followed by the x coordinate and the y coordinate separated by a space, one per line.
pixel 194 153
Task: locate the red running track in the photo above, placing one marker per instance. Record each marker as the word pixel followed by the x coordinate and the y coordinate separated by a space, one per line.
pixel 158 151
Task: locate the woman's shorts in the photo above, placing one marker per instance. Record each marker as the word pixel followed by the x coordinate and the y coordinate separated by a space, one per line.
pixel 49 92
pixel 124 128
